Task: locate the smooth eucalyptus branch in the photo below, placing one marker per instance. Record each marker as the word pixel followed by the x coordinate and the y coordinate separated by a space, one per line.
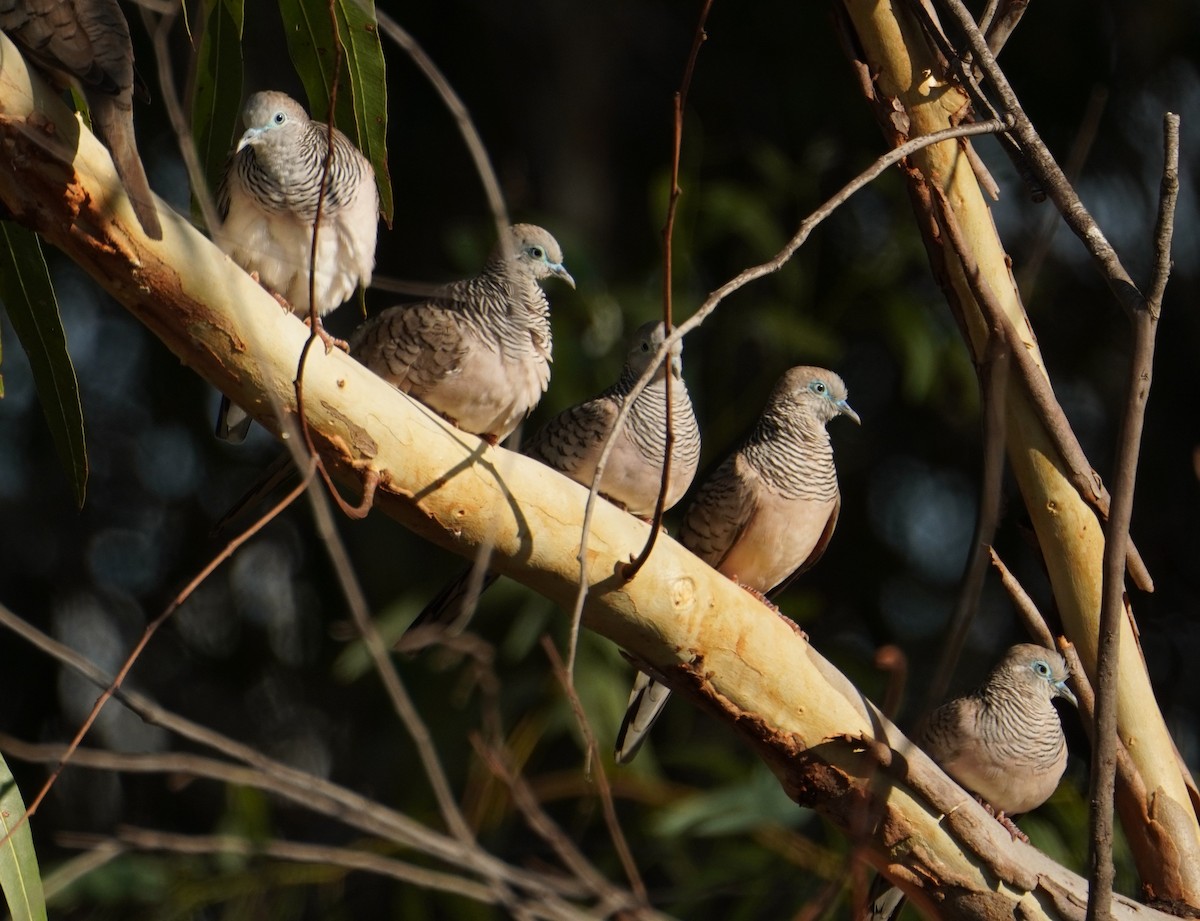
pixel 1116 537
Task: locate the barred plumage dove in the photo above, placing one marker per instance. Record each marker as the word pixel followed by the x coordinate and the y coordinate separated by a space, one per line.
pixel 765 515
pixel 87 42
pixel 572 442
pixel 267 203
pixel 478 351
pixel 1004 742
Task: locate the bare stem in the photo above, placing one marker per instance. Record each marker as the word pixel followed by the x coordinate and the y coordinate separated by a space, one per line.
pixel 1116 539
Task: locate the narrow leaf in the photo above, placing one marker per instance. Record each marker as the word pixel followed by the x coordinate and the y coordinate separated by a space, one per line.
pixel 217 86
pixel 19 875
pixel 362 88
pixel 28 294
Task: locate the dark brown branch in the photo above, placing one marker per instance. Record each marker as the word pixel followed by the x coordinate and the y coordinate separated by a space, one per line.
pixel 1116 538
pixel 993 386
pixel 1076 467
pixel 1003 24
pixel 679 105
pixel 1027 611
pixel 1047 171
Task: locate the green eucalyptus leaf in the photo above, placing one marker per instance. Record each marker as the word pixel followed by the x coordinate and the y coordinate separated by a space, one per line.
pixel 362 84
pixel 19 875
pixel 28 295
pixel 217 85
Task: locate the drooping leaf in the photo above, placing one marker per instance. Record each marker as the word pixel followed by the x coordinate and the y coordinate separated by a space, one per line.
pixel 361 110
pixel 19 874
pixel 28 294
pixel 217 85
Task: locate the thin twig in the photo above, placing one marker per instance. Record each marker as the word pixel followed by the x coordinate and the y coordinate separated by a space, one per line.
pixel 483 168
pixel 1049 174
pixel 306 789
pixel 453 102
pixel 1076 468
pixel 499 761
pixel 1043 235
pixel 714 299
pixel 151 628
pixel 1004 23
pixel 607 803
pixel 159 31
pixel 147 839
pixel 1116 538
pixel 993 386
pixel 314 317
pixel 402 703
pixel 679 106
pixel 1027 611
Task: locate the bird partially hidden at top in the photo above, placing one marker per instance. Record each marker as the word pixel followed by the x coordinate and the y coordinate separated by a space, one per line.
pixel 267 203
pixel 86 42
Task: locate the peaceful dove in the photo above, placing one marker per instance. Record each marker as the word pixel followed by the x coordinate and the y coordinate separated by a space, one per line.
pixel 572 442
pixel 478 351
pixel 1004 742
pixel 267 203
pixel 766 513
pixel 87 42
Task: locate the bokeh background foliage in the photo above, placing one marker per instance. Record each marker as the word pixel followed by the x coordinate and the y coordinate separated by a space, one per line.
pixel 573 103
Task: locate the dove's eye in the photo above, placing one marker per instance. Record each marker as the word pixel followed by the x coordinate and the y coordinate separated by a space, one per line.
pixel 1042 668
pixel 280 118
pixel 537 252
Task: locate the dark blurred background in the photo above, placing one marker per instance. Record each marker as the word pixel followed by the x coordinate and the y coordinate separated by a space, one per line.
pixel 573 101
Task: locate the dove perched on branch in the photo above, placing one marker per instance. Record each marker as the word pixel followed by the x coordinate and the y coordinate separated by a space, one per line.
pixel 765 515
pixel 87 42
pixel 477 351
pixel 1003 742
pixel 572 442
pixel 267 203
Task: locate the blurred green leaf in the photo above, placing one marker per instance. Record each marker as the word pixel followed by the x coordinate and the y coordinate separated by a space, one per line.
pixel 217 85
pixel 19 876
pixel 362 112
pixel 732 809
pixel 28 294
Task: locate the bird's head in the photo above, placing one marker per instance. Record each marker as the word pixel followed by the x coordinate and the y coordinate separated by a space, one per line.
pixel 1042 668
pixel 818 391
pixel 271 117
pixel 647 340
pixel 536 250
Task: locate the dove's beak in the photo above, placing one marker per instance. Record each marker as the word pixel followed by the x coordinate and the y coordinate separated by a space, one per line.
pixel 845 410
pixel 1061 690
pixel 249 137
pixel 561 271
